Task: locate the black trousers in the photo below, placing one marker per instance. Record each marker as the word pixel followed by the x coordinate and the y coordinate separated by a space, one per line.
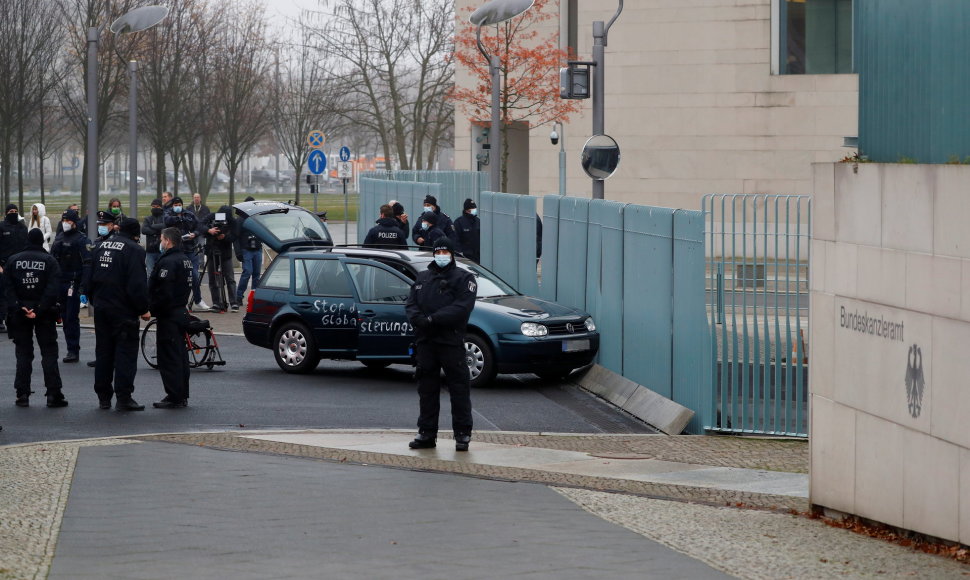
pixel 224 266
pixel 22 330
pixel 432 359
pixel 173 358
pixel 116 351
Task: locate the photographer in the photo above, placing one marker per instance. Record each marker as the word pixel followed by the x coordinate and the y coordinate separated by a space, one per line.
pixel 220 235
pixel 176 216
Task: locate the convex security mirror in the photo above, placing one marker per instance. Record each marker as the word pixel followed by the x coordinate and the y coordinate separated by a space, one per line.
pixel 600 156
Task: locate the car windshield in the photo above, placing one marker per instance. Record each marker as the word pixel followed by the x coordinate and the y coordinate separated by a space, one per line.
pixel 489 285
pixel 293 226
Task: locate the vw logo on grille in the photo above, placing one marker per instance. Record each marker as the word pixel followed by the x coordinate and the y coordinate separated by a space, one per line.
pixel 569 328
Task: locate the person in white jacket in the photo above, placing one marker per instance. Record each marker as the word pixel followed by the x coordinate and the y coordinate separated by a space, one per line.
pixel 39 220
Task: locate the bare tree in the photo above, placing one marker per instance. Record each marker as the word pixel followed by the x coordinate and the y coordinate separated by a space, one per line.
pixel 396 58
pixel 243 86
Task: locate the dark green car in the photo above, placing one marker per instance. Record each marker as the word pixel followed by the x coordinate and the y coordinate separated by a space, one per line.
pixel 316 301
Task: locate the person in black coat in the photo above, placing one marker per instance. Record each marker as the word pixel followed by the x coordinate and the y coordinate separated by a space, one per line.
pixel 33 279
pixel 119 292
pixel 400 216
pixel 442 220
pixel 468 227
pixel 72 250
pixel 220 233
pixel 429 231
pixel 169 287
pixel 387 233
pixel 177 216
pixel 151 228
pixel 13 239
pixel 438 307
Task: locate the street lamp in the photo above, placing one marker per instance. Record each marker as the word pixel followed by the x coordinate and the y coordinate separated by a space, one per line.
pixel 560 138
pixel 495 12
pixel 133 21
pixel 600 33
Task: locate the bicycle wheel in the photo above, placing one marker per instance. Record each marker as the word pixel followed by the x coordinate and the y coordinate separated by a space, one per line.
pixel 149 345
pixel 200 348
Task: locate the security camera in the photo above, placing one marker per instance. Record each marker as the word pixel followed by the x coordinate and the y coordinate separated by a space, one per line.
pixel 554 137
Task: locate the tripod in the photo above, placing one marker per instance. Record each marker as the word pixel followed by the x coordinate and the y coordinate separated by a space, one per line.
pixel 221 297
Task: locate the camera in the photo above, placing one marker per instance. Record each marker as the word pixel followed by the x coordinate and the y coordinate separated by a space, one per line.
pixel 220 219
pixel 554 137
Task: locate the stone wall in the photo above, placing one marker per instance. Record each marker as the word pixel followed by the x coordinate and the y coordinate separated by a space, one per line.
pixel 890 345
pixel 691 100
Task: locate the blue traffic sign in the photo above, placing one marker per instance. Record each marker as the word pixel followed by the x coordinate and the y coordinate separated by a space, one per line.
pixel 345 153
pixel 317 162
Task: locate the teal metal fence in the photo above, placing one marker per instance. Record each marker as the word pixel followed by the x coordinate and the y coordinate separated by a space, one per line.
pixel 758 249
pixel 508 247
pixel 454 187
pixel 376 192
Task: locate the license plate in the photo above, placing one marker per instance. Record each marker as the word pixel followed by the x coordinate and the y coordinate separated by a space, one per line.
pixel 575 345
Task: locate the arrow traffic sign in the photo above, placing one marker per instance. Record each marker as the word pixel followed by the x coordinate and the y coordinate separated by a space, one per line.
pixel 316 139
pixel 317 162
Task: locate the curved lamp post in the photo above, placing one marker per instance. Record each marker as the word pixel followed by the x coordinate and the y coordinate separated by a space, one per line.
pixel 133 21
pixel 495 12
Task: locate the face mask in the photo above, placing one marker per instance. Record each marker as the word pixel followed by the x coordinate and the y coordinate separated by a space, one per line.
pixel 424 225
pixel 156 211
pixel 161 247
pixel 12 217
pixel 67 226
pixel 474 211
pixel 177 208
pixel 102 230
pixel 115 210
pixel 428 209
pixel 442 260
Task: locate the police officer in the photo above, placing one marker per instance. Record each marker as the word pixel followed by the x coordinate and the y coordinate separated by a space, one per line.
pixel 73 254
pixel 430 232
pixel 438 308
pixel 105 232
pixel 400 216
pixel 440 218
pixel 177 216
pixel 119 292
pixel 468 227
pixel 13 238
pixel 151 228
pixel 169 287
pixel 387 233
pixel 33 279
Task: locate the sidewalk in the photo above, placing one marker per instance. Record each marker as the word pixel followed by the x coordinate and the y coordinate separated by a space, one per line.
pixel 360 504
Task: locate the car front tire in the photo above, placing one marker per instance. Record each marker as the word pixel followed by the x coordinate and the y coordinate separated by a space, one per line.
pixel 480 360
pixel 295 349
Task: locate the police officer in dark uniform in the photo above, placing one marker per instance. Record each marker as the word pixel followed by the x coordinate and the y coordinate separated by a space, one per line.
pixel 13 239
pixel 177 216
pixel 119 292
pixel 72 250
pixel 430 231
pixel 468 227
pixel 169 287
pixel 33 279
pixel 387 233
pixel 438 308
pixel 440 218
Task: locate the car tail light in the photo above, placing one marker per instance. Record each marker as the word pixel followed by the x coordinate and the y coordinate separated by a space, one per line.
pixel 249 301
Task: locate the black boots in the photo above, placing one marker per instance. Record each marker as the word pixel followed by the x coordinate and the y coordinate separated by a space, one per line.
pixel 423 441
pixel 128 405
pixel 462 440
pixel 56 399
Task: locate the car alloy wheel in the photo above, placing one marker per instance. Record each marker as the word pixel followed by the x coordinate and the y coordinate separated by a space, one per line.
pixel 475 359
pixel 293 347
pixel 296 350
pixel 480 360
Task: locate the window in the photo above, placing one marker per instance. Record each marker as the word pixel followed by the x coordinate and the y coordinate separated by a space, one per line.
pixel 322 278
pixel 812 36
pixel 278 274
pixel 377 285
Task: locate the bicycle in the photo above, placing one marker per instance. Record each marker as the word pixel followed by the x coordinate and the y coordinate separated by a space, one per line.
pixel 200 342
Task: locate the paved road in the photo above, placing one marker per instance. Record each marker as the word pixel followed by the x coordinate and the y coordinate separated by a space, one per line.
pixel 251 391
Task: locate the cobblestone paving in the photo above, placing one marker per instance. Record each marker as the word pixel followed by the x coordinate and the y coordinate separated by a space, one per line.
pixel 34 484
pixel 763 545
pixel 604 445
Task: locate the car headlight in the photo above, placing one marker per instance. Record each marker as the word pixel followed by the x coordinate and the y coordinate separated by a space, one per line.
pixel 590 325
pixel 533 329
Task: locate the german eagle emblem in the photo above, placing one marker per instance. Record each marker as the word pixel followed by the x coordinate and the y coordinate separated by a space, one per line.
pixel 915 383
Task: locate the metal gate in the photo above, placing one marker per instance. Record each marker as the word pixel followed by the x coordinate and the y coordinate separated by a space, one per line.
pixel 758 250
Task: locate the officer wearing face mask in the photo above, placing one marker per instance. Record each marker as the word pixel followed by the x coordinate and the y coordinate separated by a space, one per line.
pixel 105 231
pixel 13 238
pixel 441 219
pixel 428 231
pixel 438 307
pixel 468 227
pixel 152 228
pixel 72 250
